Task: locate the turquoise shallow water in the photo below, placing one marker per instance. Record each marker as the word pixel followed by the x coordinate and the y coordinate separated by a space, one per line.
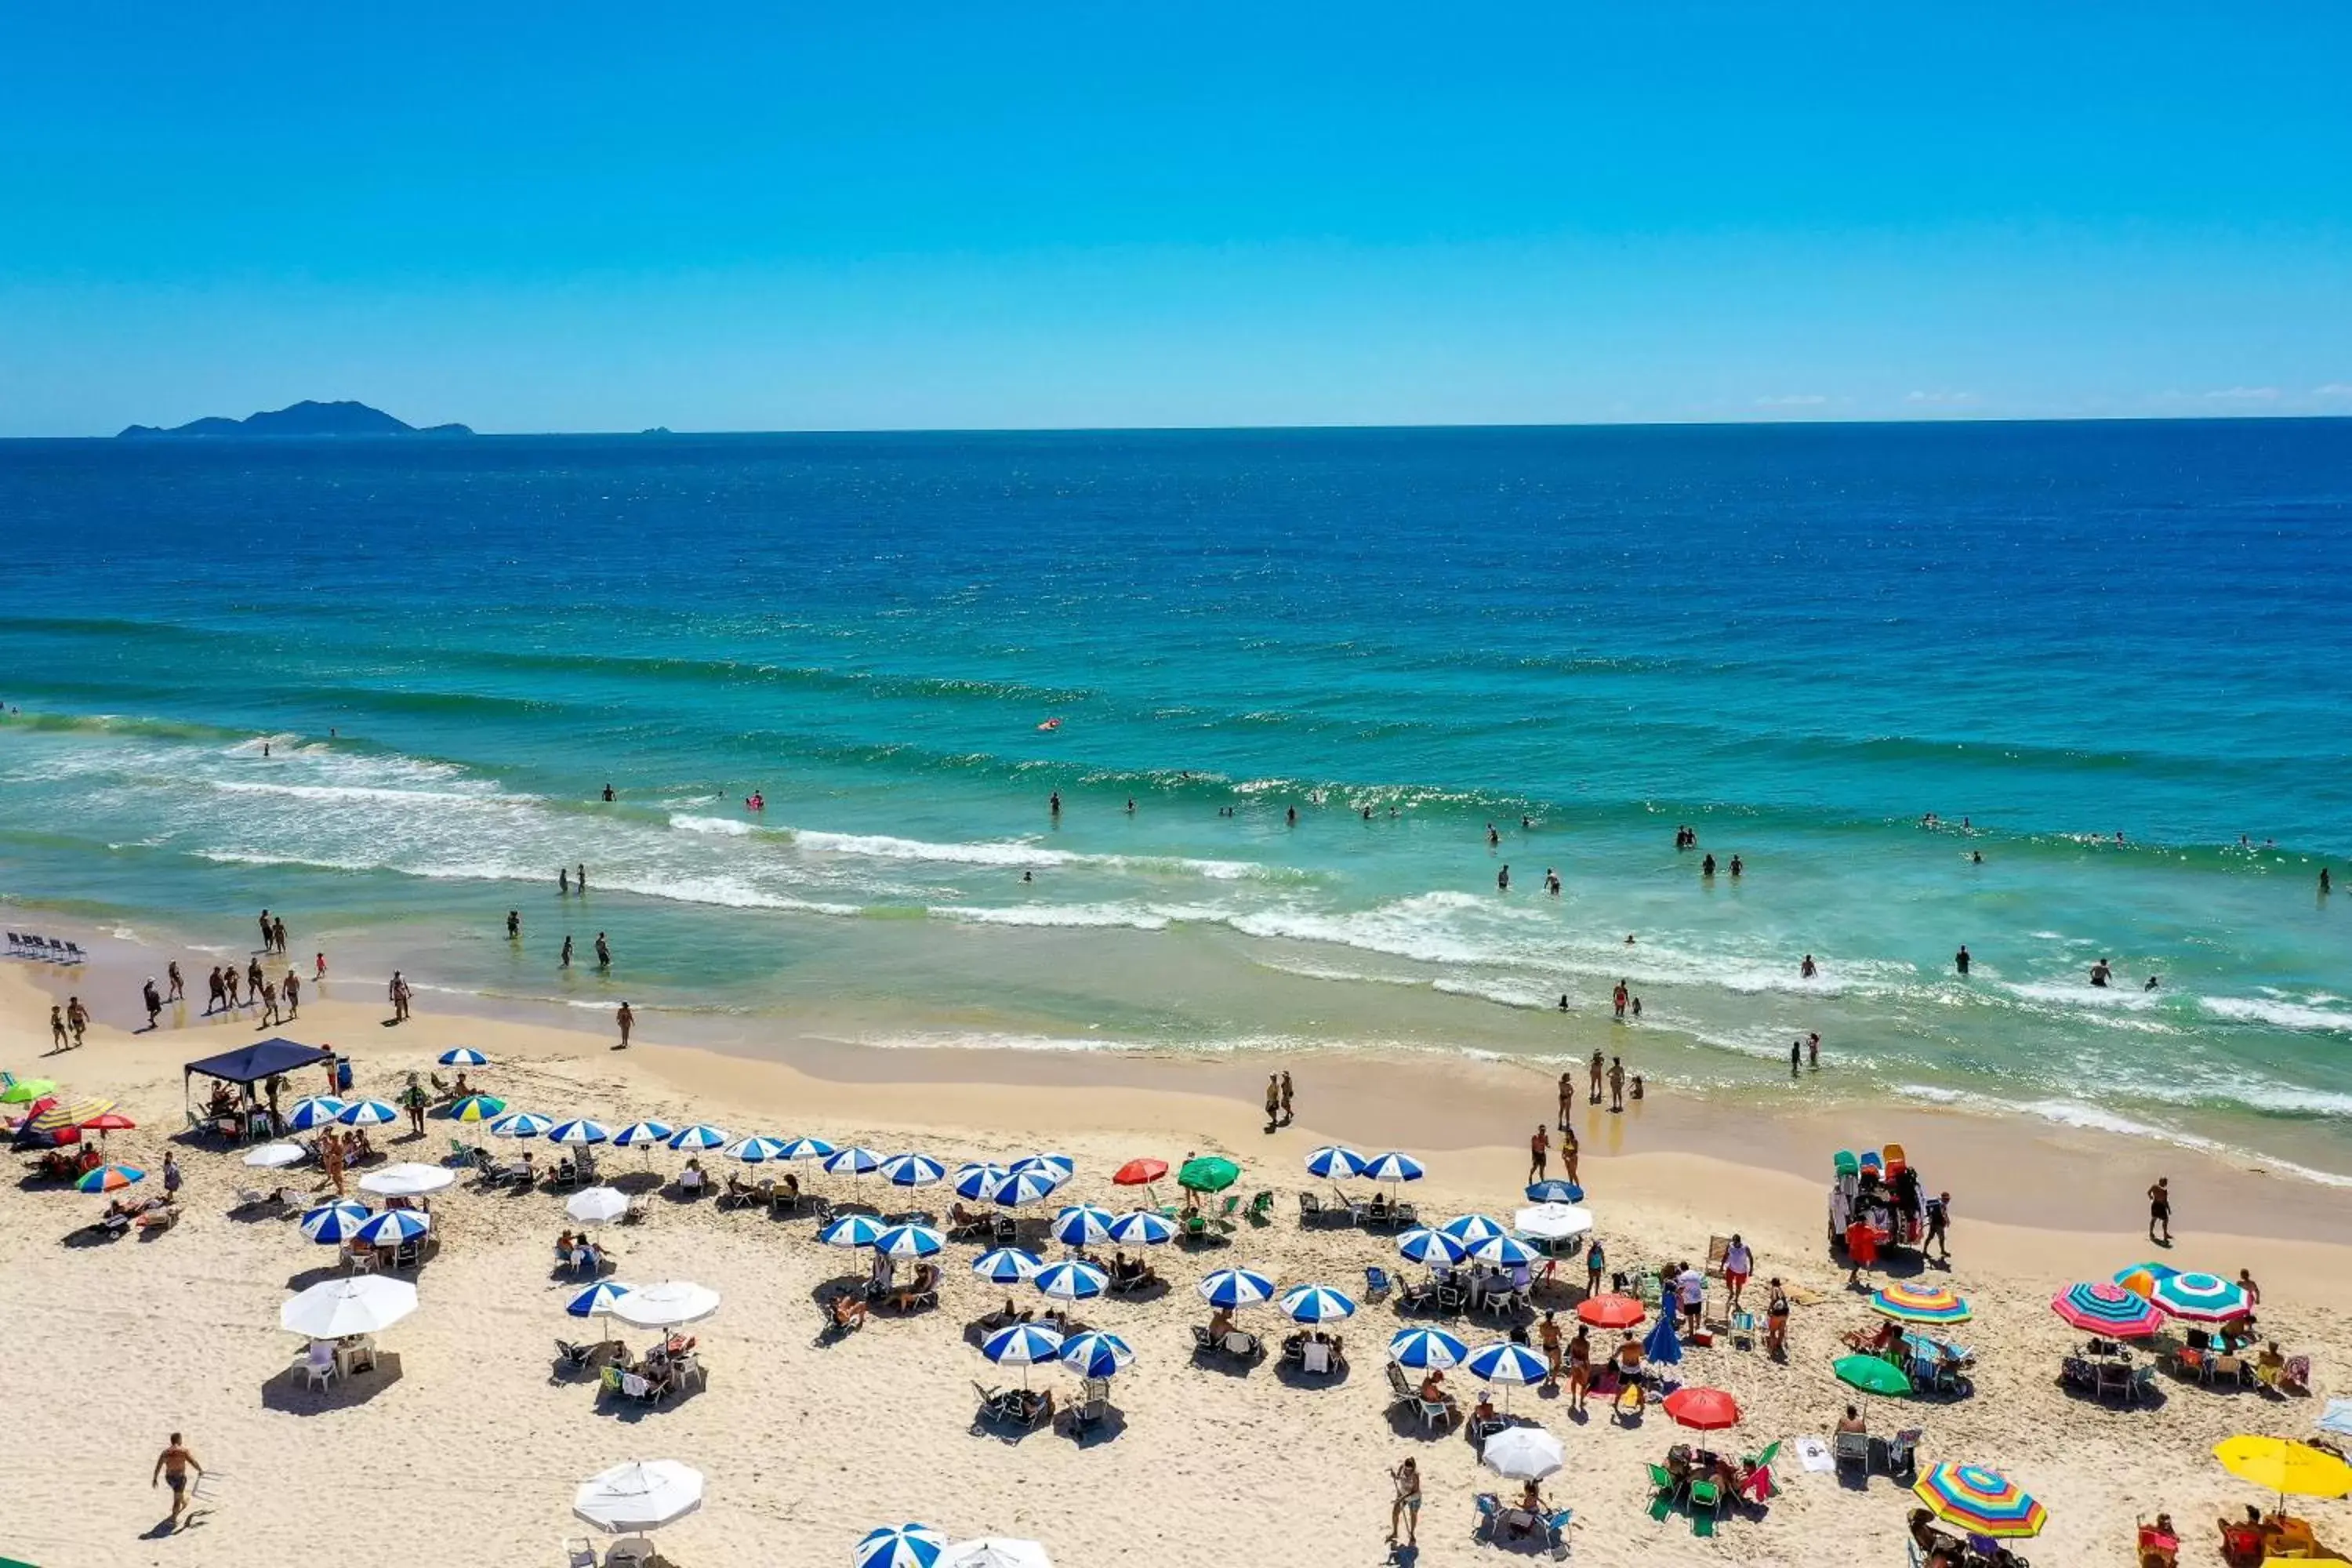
pixel 1797 640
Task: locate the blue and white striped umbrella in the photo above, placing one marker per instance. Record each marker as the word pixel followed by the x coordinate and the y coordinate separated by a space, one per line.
pixel 367 1113
pixel 642 1134
pixel 851 1161
pixel 756 1150
pixel 1235 1288
pixel 520 1125
pixel 852 1230
pixel 1141 1227
pixel 1506 1252
pixel 1434 1248
pixel 901 1546
pixel 807 1147
pixel 596 1297
pixel 1470 1229
pixel 334 1223
pixel 699 1137
pixel 1020 1187
pixel 1315 1304
pixel 1022 1345
pixel 1097 1354
pixel 976 1181
pixel 1072 1281
pixel 1394 1166
pixel 910 1241
pixel 579 1130
pixel 392 1227
pixel 1082 1225
pixel 1555 1191
pixel 1334 1163
pixel 1422 1349
pixel 912 1171
pixel 314 1112
pixel 464 1057
pixel 1007 1266
pixel 1061 1167
pixel 1507 1362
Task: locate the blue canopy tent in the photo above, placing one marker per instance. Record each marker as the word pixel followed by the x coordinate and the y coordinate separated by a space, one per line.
pixel 245 1067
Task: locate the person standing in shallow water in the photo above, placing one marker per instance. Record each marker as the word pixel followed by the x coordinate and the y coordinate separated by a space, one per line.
pixel 627 1021
pixel 1616 1083
pixel 1960 961
pixel 565 961
pixel 1594 1068
pixel 603 951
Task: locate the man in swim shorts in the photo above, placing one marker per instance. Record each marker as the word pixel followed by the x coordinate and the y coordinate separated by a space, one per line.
pixel 173 1465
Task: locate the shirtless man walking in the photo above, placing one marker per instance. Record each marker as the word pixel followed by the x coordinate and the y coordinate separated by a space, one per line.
pixel 173 1465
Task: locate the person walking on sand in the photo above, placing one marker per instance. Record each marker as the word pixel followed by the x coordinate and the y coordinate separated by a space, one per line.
pixel 57 1036
pixel 1404 1513
pixel 1538 1155
pixel 331 1160
pixel 175 988
pixel 627 1021
pixel 1287 1116
pixel 268 1004
pixel 219 997
pixel 77 1019
pixel 1939 1217
pixel 1567 1094
pixel 414 1099
pixel 2159 1200
pixel 1738 1266
pixel 1595 1069
pixel 293 996
pixel 155 1001
pixel 1273 1101
pixel 173 1465
pixel 1616 1083
pixel 277 932
pixel 253 979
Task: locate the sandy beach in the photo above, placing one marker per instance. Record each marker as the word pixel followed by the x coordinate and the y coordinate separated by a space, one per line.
pixel 464 1448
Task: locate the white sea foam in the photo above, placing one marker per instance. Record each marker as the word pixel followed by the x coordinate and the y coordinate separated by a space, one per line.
pixel 2280 1013
pixel 727 826
pixel 1134 916
pixel 1020 854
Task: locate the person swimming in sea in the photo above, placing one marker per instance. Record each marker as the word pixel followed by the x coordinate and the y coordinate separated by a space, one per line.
pixel 2151 983
pixel 1563 1007
pixel 514 925
pixel 608 793
pixel 1976 858
pixel 1130 805
pixel 1493 838
pixel 1053 804
pixel 1503 881
pixel 1027 878
pixel 2324 885
pixel 1736 868
pixel 1808 969
pixel 1707 867
pixel 1290 815
pixel 1960 961
pixel 2101 972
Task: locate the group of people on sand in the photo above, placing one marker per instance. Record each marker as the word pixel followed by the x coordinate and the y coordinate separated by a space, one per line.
pixel 1277 1101
pixel 1614 1073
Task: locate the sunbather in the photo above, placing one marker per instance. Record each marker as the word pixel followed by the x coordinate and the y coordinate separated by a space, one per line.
pixel 1432 1391
pixel 848 1310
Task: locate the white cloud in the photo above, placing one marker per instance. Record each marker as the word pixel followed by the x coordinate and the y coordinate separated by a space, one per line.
pixel 1942 398
pixel 2333 389
pixel 1793 400
pixel 2243 394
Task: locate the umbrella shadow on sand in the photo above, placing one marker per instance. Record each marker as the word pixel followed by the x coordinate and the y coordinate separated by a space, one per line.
pixel 290 1391
pixel 319 1276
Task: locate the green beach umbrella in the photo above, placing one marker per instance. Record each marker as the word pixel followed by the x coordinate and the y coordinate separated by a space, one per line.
pixel 1871 1374
pixel 477 1107
pixel 1209 1174
pixel 25 1090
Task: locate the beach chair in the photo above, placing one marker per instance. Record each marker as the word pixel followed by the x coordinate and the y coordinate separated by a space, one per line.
pixel 1092 1406
pixel 1706 1503
pixel 579 1553
pixel 1743 1330
pixel 1377 1283
pixel 1453 1297
pixel 1310 1209
pixel 2295 1377
pixel 1486 1513
pixel 318 1364
pixel 1556 1530
pixel 1851 1448
pixel 1649 1288
pixel 1403 1217
pixel 1664 1492
pixel 572 1358
pixel 631 1551
pixel 1902 1452
pixel 1224 1216
pixel 1261 1208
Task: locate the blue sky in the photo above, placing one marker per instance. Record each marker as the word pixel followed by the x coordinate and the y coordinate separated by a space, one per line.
pixel 910 215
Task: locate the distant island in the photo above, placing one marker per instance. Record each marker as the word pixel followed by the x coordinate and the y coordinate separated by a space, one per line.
pixel 305 419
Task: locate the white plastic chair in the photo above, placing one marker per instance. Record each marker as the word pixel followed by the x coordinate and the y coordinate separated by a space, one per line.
pixel 319 1365
pixel 579 1553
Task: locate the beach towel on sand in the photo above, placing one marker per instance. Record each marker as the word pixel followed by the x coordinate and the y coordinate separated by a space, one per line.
pixel 1814 1453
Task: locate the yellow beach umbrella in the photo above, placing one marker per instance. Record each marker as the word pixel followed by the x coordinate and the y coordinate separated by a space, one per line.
pixel 58 1118
pixel 2284 1468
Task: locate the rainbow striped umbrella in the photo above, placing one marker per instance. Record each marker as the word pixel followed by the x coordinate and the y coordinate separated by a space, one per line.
pixel 107 1179
pixel 1982 1501
pixel 477 1108
pixel 2202 1298
pixel 1908 1303
pixel 2099 1307
pixel 2140 1278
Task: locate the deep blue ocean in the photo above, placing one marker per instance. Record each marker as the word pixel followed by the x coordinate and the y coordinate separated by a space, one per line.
pixel 1799 640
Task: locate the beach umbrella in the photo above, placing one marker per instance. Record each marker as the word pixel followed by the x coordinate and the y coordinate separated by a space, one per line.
pixel 1610 1311
pixel 2099 1307
pixel 107 1121
pixel 1871 1374
pixel 1007 1266
pixel 2141 1277
pixel 331 1225
pixel 597 1298
pixel 367 1113
pixel 520 1125
pixel 70 1114
pixel 1023 1345
pixel 597 1206
pixel 2337 1417
pixel 667 1305
pixel 1209 1174
pixel 1082 1225
pixel 697 1138
pixel 1522 1453
pixel 1980 1502
pixel 314 1112
pixel 1335 1162
pixel 392 1227
pixel 995 1551
pixel 1097 1354
pixel 913 1171
pixel 1470 1229
pixel 901 1546
pixel 1235 1288
pixel 1708 1409
pixel 757 1150
pixel 1504 1362
pixel 851 1161
pixel 107 1179
pixel 1506 1252
pixel 1434 1248
pixel 1393 1167
pixel 976 1179
pixel 1422 1349
pixel 1907 1303
pixel 852 1230
pixel 909 1241
pixel 276 1157
pixel 1139 1173
pixel 1555 1191
pixel 1315 1304
pixel 337 1309
pixel 642 1135
pixel 1552 1222
pixel 2202 1298
pixel 1061 1167
pixel 25 1090
pixel 1141 1227
pixel 639 1495
pixel 464 1057
pixel 2277 1465
pixel 579 1131
pixel 1664 1345
pixel 407 1180
pixel 1072 1281
pixel 477 1108
pixel 806 1149
pixel 1015 1188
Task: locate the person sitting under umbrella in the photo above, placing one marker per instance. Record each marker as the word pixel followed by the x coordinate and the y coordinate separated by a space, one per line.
pixel 1937 1548
pixel 1532 1508
pixel 1432 1391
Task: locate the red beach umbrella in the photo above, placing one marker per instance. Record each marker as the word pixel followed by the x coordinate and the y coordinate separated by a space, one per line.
pixel 1708 1409
pixel 1610 1311
pixel 111 1121
pixel 1140 1173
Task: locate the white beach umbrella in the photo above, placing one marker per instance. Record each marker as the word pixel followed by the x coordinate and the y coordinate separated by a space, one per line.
pixel 579 1130
pixel 639 1495
pixel 1523 1453
pixel 407 1180
pixel 276 1157
pixel 667 1305
pixel 995 1551
pixel 597 1206
pixel 1553 1222
pixel 363 1304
